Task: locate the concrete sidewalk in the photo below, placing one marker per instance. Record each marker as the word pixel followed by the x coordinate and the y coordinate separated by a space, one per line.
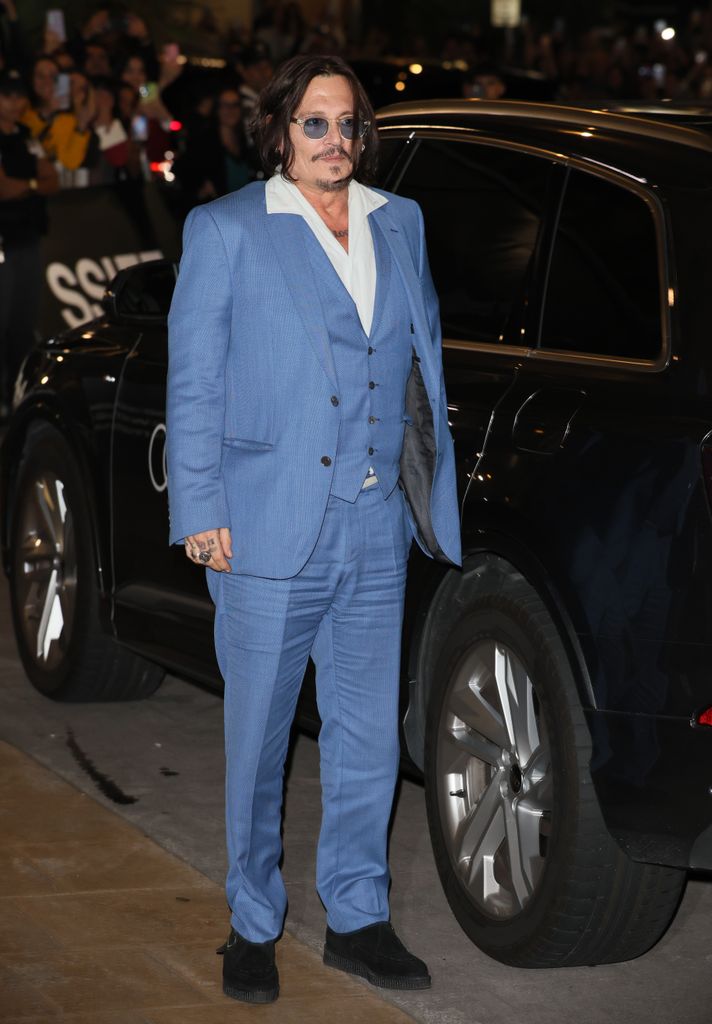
pixel 99 924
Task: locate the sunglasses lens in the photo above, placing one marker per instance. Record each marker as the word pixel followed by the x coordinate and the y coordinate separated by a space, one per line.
pixel 316 127
pixel 346 127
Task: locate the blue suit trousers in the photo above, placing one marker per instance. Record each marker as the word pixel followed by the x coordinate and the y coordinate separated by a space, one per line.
pixel 345 609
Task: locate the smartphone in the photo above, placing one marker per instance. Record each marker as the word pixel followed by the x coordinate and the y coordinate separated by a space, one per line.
pixel 139 128
pixel 54 22
pixel 62 91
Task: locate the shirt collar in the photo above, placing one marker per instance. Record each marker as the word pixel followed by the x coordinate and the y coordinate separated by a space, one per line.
pixel 283 196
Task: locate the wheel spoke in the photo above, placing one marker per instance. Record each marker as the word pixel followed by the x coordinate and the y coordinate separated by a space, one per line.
pixel 469 704
pixel 475 745
pixel 51 620
pixel 478 836
pixel 51 510
pixel 523 824
pixel 515 693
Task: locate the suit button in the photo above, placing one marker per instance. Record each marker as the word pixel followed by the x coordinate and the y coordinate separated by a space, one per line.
pixel 371 384
pixel 371 419
pixel 334 400
pixel 370 350
pixel 325 460
pixel 370 451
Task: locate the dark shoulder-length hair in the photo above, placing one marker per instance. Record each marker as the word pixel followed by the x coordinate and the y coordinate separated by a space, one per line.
pixel 280 100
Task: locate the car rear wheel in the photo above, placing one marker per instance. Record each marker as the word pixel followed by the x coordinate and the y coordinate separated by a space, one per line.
pixel 54 588
pixel 526 862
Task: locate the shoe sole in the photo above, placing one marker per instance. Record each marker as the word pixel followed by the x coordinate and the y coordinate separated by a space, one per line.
pixel 342 963
pixel 267 995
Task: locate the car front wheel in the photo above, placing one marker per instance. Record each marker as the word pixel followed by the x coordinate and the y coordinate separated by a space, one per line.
pixel 526 862
pixel 54 589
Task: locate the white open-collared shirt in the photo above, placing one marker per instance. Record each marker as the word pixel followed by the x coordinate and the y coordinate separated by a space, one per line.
pixel 357 267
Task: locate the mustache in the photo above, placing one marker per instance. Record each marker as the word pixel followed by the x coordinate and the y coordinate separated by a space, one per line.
pixel 332 151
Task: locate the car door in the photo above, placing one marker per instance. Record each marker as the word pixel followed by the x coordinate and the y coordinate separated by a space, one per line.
pixel 161 603
pixel 600 458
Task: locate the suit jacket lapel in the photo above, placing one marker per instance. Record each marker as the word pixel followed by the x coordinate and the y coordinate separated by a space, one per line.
pixel 286 232
pixel 383 271
pixel 421 339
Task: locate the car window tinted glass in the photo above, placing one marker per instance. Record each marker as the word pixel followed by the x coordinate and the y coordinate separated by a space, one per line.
pixel 482 207
pixel 389 148
pixel 603 295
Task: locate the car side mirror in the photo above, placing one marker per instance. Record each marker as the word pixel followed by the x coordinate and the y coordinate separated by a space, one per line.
pixel 142 292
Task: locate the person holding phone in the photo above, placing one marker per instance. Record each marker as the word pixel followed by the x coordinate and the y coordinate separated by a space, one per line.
pixel 64 134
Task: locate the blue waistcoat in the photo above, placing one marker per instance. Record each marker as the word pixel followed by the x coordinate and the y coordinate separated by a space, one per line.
pixel 372 370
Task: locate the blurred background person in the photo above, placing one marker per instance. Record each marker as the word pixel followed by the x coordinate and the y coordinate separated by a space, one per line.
pixel 254 66
pixel 114 158
pixel 59 115
pixel 25 179
pixel 215 160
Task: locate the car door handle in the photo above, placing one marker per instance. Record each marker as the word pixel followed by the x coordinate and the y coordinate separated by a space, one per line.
pixel 543 421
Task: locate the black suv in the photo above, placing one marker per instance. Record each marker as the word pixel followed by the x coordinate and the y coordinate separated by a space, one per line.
pixel 558 688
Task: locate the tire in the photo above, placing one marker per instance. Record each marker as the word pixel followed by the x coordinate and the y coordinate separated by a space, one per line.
pixel 54 591
pixel 527 865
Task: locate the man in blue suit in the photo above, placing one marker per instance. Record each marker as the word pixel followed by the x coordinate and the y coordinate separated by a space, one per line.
pixel 308 444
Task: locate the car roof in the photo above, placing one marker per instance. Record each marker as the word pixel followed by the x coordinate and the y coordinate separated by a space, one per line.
pixel 659 145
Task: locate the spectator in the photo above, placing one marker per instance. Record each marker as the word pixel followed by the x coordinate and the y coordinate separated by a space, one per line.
pixel 25 180
pixel 484 82
pixel 63 133
pixel 113 160
pixel 215 160
pixel 151 120
pixel 97 61
pixel 255 69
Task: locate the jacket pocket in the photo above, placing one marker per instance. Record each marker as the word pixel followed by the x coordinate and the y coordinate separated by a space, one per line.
pixel 247 444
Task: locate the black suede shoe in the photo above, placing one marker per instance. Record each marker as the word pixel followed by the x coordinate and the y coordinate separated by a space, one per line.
pixel 376 954
pixel 249 970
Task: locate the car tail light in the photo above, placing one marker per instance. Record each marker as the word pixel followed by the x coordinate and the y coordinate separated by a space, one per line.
pixel 703 717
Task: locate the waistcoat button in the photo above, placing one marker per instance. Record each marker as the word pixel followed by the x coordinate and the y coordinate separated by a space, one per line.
pixel 325 460
pixel 370 451
pixel 371 384
pixel 371 419
pixel 370 350
pixel 334 400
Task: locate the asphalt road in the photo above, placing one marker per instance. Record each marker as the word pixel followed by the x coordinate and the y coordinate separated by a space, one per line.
pixel 159 763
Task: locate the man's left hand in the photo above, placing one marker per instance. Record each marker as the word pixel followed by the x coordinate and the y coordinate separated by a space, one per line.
pixel 216 543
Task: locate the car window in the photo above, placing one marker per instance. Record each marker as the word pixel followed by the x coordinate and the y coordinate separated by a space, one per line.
pixel 483 207
pixel 389 148
pixel 603 294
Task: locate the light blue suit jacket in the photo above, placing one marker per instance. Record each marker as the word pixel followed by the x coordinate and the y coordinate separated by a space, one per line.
pixel 250 379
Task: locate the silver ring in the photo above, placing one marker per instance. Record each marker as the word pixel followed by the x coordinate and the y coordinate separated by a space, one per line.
pixel 205 557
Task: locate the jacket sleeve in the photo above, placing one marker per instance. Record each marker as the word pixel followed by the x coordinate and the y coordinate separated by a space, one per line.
pixel 198 338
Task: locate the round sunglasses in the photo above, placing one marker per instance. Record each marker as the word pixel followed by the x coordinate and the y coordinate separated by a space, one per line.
pixel 317 127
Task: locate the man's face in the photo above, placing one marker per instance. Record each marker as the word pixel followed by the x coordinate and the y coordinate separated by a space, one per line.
pixel 323 165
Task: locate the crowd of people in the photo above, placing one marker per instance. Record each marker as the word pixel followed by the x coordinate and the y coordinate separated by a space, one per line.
pixel 103 102
pixel 106 102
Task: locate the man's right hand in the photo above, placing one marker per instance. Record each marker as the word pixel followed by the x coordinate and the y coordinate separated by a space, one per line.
pixel 217 543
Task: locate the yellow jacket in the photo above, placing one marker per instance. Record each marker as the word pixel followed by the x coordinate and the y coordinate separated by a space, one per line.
pixel 59 136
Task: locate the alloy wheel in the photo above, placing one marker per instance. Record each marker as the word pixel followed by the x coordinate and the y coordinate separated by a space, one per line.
pixel 45 576
pixel 494 779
